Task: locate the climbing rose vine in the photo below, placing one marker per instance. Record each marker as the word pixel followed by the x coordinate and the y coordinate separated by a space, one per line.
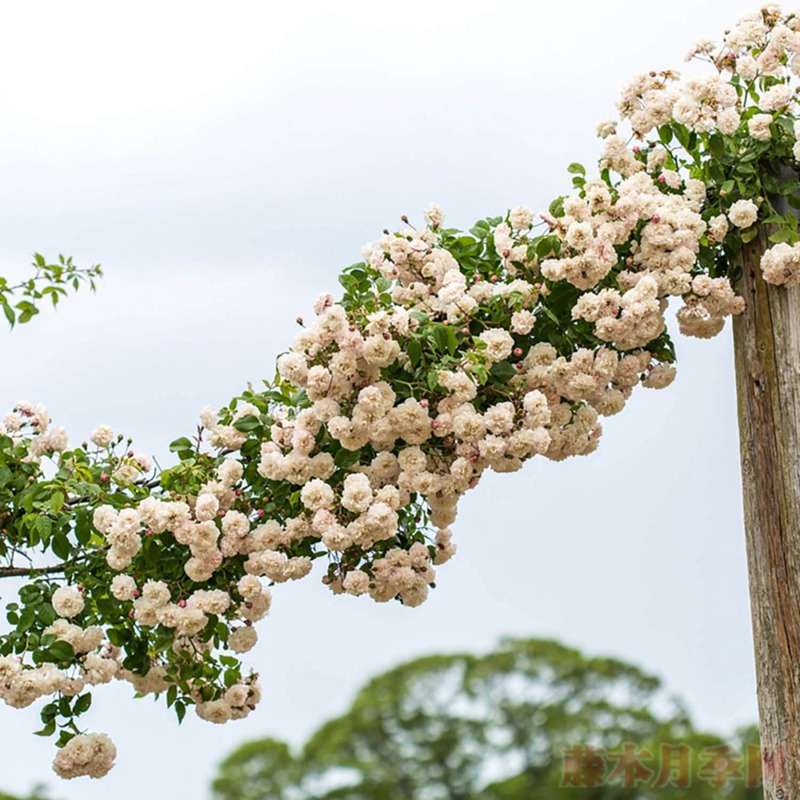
pixel 449 353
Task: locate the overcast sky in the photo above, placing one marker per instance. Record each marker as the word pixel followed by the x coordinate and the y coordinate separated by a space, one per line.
pixel 224 161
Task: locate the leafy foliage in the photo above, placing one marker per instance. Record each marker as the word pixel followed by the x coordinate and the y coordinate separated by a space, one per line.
pixel 464 727
pixel 20 301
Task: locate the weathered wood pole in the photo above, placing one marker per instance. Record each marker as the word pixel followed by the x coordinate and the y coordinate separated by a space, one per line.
pixel 767 354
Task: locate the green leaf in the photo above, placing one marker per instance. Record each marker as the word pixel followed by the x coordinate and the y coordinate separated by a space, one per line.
pixel 452 341
pixel 61 546
pixel 30 594
pixel 26 619
pixel 502 371
pixel 749 234
pixel 414 350
pixel 247 424
pixel 716 145
pixel 345 459
pixel 440 336
pixel 83 527
pixel 576 169
pixel 181 444
pixel 116 636
pixel 44 527
pixel 781 235
pixel 64 738
pixel 83 703
pixel 48 730
pixel 57 501
pixel 61 651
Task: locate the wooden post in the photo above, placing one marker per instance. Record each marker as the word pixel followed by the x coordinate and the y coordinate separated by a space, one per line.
pixel 767 353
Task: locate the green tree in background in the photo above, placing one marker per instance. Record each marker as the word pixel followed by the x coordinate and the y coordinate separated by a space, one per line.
pixel 502 726
pixel 37 793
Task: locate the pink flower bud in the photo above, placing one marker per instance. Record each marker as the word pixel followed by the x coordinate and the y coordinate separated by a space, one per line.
pixel 182 603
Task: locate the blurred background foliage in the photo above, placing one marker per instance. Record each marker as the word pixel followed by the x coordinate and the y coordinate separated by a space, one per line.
pixel 37 793
pixel 500 726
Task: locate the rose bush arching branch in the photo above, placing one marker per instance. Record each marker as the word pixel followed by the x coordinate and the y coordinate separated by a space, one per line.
pixel 449 353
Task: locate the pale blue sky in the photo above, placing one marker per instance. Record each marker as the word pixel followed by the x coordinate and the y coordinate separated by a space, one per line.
pixel 224 161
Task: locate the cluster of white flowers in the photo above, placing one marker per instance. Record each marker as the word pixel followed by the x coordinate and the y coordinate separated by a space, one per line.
pixel 236 703
pixel 208 544
pixel 762 46
pixel 781 265
pixel 27 418
pixel 20 686
pixel 89 754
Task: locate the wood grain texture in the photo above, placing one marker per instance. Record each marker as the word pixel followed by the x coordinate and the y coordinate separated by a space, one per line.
pixel 767 354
